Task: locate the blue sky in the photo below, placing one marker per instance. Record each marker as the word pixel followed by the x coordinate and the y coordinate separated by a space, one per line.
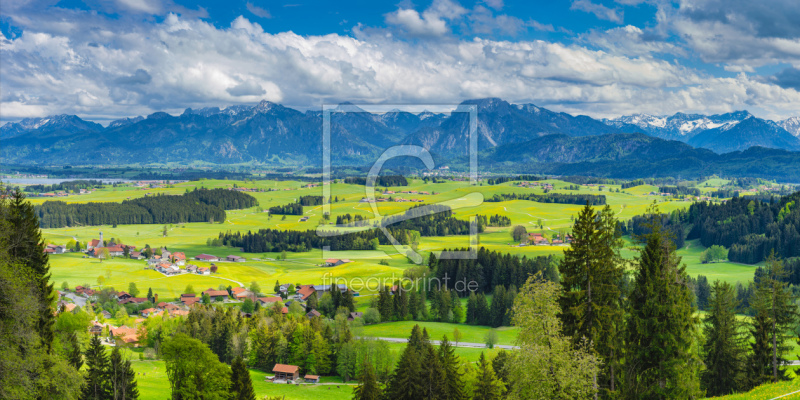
pixel 106 59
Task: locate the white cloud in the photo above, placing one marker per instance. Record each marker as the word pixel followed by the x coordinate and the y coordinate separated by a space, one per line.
pixel 137 69
pixel 600 11
pixel 258 11
pixel 416 24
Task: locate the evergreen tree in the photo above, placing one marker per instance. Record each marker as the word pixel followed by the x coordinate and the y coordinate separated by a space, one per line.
pixel 121 377
pixel 452 387
pixel 772 293
pixel 408 382
pixel 97 385
pixel 482 316
pixel 241 384
pixel 26 246
pixel 368 387
pixel 472 304
pixel 590 274
pixel 759 362
pixel 74 354
pixel 498 310
pixel 499 366
pixel 487 385
pixel 724 349
pixel 659 353
pixel 150 295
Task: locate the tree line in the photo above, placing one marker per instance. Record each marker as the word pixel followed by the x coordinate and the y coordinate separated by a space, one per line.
pixel 595 200
pixel 750 228
pixel 296 208
pixel 381 180
pixel 200 205
pixel 65 186
pixel 433 220
pixel 504 179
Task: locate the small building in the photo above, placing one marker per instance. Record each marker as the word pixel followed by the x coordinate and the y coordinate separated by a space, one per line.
pixel 269 300
pixel 353 315
pixel 178 258
pixel 136 255
pixel 285 372
pixel 206 257
pixel 313 313
pixel 106 314
pixel 203 271
pixel 217 295
pixel 311 378
pixel 235 258
pixel 96 330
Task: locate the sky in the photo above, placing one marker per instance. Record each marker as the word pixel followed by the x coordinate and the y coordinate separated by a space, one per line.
pixel 109 59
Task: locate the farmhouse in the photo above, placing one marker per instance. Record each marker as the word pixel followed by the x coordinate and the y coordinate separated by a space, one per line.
pixel 203 271
pixel 235 258
pixel 217 295
pixel 178 258
pixel 334 262
pixel 206 257
pixel 269 300
pixel 353 315
pixel 313 313
pixel 285 372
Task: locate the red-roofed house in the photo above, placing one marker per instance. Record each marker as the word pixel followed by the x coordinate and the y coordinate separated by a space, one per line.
pixel 285 372
pixel 178 258
pixel 206 257
pixel 217 295
pixel 305 291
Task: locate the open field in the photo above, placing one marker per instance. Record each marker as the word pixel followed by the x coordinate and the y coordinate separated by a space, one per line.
pixel 769 391
pixel 436 330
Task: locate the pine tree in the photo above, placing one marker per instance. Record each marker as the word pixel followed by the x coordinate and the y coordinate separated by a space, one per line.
pixel 590 274
pixel 74 354
pixel 724 349
pixel 241 384
pixel 408 382
pixel 97 383
pixel 772 293
pixel 472 303
pixel 487 385
pixel 452 387
pixel 759 362
pixel 121 377
pixel 26 247
pixel 498 310
pixel 660 333
pixel 150 295
pixel 482 316
pixel 368 387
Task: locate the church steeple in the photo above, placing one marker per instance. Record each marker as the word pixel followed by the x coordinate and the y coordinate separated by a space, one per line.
pixel 101 244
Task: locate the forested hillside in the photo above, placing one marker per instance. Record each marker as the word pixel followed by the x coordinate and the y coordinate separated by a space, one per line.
pixel 196 206
pixel 751 228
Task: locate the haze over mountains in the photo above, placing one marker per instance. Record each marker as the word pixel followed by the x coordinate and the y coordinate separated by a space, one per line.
pixel 272 133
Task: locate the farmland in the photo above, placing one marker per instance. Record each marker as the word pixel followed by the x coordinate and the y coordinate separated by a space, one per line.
pixel 192 238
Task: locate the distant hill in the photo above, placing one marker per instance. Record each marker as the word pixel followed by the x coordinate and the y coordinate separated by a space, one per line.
pixel 273 134
pixel 745 134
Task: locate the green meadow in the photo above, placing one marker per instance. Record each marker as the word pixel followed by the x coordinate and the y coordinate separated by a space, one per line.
pixel 192 238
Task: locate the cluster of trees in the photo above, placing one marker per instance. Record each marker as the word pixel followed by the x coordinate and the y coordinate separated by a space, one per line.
pixel 296 208
pixel 201 205
pixel 65 186
pixel 311 200
pixel 633 183
pixel 671 224
pixel 750 228
pixel 680 190
pixel 107 378
pixel 595 200
pixel 273 240
pixel 287 209
pixel 499 220
pixel 644 330
pixel 504 179
pixel 433 220
pixel 351 220
pixel 489 269
pixel 41 352
pixel 382 180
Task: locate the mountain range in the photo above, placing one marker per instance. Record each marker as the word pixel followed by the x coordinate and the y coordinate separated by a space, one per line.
pixel 273 134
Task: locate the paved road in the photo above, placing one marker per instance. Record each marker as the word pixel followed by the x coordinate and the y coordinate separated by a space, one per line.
pixel 437 342
pixel 79 301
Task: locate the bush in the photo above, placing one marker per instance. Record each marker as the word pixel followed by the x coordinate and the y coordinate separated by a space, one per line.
pixel 372 316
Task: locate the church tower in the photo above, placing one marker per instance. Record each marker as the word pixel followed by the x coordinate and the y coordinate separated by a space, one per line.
pixel 101 244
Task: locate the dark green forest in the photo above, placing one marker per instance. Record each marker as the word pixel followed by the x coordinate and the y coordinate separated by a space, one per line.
pixel 200 205
pixel 581 199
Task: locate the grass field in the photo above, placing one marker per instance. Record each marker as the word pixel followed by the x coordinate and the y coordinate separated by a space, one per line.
pixel 769 391
pixel 191 238
pixel 436 330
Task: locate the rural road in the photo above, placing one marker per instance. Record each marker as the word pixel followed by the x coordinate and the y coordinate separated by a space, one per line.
pixel 438 342
pixel 79 301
